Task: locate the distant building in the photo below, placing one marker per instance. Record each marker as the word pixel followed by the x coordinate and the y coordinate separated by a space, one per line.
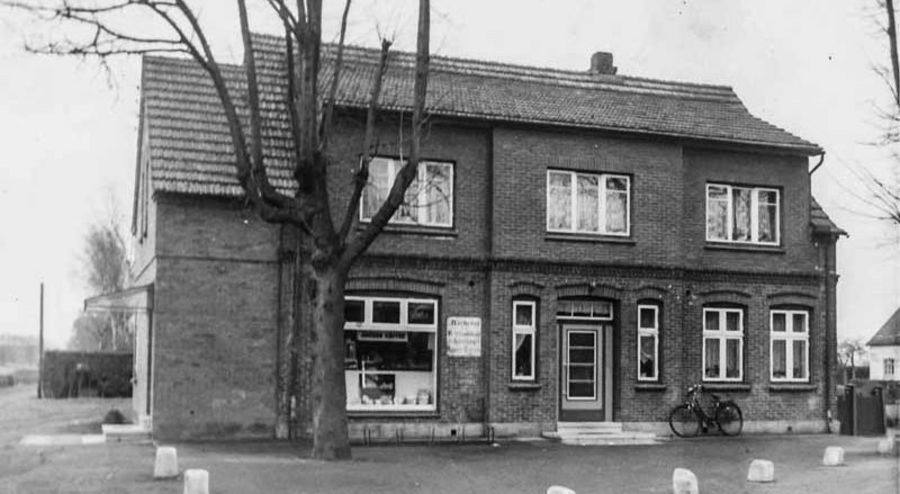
pixel 884 351
pixel 18 351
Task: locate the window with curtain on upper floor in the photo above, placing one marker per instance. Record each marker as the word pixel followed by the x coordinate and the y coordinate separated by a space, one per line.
pixel 748 215
pixel 427 202
pixel 588 203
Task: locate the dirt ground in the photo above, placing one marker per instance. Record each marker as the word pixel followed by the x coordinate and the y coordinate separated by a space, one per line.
pixel 528 467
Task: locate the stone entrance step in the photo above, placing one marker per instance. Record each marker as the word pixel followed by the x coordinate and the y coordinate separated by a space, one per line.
pixel 126 433
pixel 599 434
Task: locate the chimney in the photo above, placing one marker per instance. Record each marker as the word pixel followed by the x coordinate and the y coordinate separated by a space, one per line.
pixel 602 63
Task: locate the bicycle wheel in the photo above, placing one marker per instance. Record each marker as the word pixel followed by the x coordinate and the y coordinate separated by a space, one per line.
pixel 729 418
pixel 683 421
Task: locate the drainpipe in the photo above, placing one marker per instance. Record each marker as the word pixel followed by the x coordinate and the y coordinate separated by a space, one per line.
pixel 830 320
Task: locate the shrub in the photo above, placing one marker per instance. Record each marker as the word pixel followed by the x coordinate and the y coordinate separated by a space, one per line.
pixel 114 416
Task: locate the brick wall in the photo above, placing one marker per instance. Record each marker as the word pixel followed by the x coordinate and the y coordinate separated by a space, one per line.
pixel 466 147
pixel 214 320
pixel 217 294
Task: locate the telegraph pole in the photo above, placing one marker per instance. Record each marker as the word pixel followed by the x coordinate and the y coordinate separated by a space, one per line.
pixel 40 387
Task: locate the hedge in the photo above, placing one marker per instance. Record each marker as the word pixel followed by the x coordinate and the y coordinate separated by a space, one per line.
pixel 68 374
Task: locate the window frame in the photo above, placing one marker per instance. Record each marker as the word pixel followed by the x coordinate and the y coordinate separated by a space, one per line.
pixel 884 364
pixel 722 335
pixel 601 206
pixel 651 332
pixel 789 336
pixel 754 216
pixel 519 329
pixel 395 164
pixel 368 325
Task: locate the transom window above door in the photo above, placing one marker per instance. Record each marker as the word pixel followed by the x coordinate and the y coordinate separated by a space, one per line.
pixel 742 214
pixel 588 203
pixel 428 200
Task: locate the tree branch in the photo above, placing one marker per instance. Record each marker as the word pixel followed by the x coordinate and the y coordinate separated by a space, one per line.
pixel 335 80
pixel 361 177
pixel 406 175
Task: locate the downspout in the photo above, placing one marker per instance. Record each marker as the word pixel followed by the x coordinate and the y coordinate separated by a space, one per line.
pixel 487 335
pixel 281 429
pixel 830 322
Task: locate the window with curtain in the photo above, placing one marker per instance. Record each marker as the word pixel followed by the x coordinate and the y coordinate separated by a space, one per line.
pixel 789 345
pixel 723 344
pixel 742 214
pixel 648 342
pixel 523 340
pixel 427 202
pixel 588 203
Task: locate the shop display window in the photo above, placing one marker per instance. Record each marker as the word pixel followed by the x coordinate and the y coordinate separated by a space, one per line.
pixel 391 349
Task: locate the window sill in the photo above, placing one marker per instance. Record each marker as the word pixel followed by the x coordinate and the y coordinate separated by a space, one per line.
pixel 524 386
pixel 762 249
pixel 649 386
pixel 371 414
pixel 726 386
pixel 429 231
pixel 582 237
pixel 792 387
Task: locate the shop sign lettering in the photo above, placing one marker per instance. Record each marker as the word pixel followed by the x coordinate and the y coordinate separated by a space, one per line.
pixel 463 336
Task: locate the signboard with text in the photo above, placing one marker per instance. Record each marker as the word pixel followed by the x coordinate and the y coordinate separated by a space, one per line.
pixel 463 336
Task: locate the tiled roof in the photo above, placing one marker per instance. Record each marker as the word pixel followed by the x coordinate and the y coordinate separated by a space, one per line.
pixel 889 334
pixel 191 151
pixel 820 221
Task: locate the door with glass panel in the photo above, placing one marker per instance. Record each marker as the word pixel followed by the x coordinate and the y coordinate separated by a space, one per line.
pixel 583 376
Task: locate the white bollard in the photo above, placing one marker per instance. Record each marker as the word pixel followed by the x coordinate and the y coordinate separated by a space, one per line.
pixel 166 465
pixel 761 471
pixel 834 456
pixel 196 481
pixel 684 482
pixel 886 446
pixel 558 489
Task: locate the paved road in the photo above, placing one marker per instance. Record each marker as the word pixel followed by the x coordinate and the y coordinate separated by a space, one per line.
pixel 720 463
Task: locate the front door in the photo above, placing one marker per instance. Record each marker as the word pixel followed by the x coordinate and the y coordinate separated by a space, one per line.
pixel 585 379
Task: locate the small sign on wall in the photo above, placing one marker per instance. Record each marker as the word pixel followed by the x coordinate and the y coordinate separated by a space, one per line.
pixel 463 336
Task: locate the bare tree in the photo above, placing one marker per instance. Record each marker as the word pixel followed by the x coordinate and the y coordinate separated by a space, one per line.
pixel 881 195
pixel 847 353
pixel 330 242
pixel 106 269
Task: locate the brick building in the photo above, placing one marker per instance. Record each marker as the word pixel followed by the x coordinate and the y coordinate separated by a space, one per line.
pixel 581 246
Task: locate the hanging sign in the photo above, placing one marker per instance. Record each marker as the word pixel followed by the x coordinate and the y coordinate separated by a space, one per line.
pixel 463 336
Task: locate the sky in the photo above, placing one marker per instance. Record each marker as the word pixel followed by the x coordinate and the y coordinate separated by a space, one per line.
pixel 68 129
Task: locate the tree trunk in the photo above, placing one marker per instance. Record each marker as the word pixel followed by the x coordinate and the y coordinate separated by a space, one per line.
pixel 325 296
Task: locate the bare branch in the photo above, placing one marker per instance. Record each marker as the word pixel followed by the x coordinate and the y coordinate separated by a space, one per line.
pixel 257 168
pixel 335 81
pixel 406 175
pixel 361 177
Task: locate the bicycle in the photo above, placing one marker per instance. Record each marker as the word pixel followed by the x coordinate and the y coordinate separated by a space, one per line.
pixel 687 419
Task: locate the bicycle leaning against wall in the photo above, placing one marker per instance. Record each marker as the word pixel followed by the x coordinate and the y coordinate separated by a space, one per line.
pixel 689 418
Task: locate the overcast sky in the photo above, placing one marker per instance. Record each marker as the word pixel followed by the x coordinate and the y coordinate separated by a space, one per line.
pixel 68 137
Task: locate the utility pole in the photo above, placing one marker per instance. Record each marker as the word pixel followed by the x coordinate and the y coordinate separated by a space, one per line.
pixel 40 387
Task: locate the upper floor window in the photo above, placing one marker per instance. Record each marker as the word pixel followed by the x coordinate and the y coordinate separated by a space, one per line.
pixel 742 214
pixel 790 345
pixel 428 200
pixel 588 203
pixel 888 367
pixel 723 344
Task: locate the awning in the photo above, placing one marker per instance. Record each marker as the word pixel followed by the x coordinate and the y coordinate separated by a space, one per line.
pixel 135 299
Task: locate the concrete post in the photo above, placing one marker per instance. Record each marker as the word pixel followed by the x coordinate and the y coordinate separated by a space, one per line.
pixel 196 481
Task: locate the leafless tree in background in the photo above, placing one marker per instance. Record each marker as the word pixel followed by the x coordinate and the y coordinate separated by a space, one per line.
pixel 105 269
pixel 330 242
